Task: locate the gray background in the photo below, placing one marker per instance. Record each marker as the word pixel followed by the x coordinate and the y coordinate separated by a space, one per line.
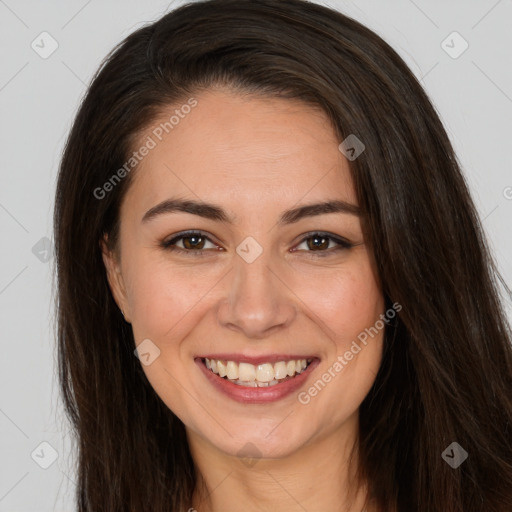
pixel 38 100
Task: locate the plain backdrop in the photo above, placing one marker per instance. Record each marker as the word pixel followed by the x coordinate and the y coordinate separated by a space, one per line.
pixel 468 76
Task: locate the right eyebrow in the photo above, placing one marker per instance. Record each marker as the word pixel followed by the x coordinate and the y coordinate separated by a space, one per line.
pixel 216 213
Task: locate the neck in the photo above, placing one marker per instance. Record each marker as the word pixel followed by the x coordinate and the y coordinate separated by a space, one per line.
pixel 319 476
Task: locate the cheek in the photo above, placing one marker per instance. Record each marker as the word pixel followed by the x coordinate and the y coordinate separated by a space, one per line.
pixel 351 308
pixel 345 300
pixel 166 304
pixel 165 300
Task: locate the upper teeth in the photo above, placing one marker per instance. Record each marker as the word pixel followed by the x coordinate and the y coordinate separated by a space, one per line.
pixel 247 372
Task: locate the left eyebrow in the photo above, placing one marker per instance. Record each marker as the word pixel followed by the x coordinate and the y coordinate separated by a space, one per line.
pixel 216 213
pixel 310 210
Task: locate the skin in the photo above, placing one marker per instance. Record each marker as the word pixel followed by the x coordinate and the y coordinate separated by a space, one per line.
pixel 256 157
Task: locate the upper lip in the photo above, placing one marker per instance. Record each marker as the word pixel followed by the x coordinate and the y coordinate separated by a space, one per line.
pixel 259 359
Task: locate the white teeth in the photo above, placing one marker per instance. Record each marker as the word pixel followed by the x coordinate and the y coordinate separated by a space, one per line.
pixel 265 372
pixel 280 371
pixel 221 367
pixel 246 372
pixel 232 370
pixel 249 384
pixel 262 375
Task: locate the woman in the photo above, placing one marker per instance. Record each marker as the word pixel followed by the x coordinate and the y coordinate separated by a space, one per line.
pixel 274 292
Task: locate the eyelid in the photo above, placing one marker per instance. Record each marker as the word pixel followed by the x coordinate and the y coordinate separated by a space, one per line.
pixel 342 242
pixel 169 241
pixel 335 238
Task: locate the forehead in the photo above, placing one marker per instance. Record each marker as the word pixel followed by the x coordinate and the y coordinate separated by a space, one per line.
pixel 251 151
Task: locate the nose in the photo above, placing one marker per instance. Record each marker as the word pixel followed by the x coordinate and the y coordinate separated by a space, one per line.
pixel 258 302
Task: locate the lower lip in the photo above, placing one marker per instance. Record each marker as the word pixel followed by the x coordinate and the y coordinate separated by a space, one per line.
pixel 251 395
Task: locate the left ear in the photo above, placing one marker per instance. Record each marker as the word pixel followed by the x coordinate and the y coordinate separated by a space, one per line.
pixel 115 278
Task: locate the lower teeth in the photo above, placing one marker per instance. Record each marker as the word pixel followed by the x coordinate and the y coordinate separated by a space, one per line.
pixel 257 384
pixel 254 384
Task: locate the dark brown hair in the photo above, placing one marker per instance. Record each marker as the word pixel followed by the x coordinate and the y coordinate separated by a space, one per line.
pixel 446 373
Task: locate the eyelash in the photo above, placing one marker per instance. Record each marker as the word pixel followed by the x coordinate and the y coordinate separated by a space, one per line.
pixel 342 244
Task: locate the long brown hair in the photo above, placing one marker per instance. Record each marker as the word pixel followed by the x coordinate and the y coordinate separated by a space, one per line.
pixel 446 374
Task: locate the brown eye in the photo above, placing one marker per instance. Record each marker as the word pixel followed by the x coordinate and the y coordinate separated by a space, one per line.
pixel 192 243
pixel 318 242
pixel 321 243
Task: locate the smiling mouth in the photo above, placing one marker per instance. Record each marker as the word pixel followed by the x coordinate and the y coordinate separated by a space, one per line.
pixel 257 376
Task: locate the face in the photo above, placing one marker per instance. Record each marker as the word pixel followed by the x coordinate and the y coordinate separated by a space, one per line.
pixel 263 287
